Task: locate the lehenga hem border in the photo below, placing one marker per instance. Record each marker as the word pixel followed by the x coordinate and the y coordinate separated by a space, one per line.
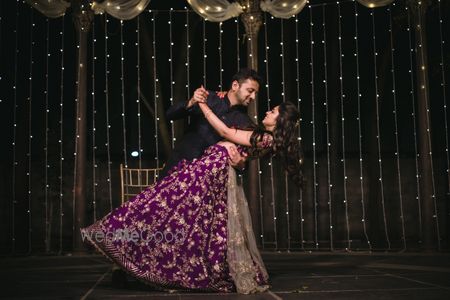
pixel 164 287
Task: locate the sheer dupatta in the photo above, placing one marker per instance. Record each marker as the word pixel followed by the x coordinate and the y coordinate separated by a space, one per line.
pixel 246 266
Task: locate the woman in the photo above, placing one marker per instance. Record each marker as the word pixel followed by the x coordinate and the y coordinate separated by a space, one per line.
pixel 192 229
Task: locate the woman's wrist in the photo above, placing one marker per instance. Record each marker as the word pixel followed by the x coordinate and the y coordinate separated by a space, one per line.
pixel 207 113
pixel 206 110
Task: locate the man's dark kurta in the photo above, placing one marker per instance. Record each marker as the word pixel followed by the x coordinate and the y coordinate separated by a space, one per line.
pixel 200 135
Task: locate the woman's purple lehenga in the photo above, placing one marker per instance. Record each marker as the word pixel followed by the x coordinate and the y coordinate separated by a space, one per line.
pixel 189 230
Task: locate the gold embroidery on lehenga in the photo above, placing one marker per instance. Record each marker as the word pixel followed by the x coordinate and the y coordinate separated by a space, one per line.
pixel 194 201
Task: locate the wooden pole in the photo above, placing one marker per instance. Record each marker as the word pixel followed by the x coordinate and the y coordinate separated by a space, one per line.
pixel 82 17
pixel 252 20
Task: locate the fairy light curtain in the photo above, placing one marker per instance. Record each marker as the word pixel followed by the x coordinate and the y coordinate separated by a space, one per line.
pixel 351 71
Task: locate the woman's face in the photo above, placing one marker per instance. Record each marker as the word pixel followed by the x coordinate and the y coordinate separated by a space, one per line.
pixel 271 118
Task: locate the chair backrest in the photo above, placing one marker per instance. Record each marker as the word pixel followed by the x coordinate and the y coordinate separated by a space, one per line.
pixel 133 181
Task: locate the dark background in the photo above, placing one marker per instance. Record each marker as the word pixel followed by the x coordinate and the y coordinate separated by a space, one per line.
pixel 38 74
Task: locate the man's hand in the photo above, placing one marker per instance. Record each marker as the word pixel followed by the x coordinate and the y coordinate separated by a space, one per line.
pixel 236 159
pixel 200 96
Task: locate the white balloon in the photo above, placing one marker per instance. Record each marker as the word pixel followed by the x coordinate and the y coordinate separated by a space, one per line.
pixel 375 3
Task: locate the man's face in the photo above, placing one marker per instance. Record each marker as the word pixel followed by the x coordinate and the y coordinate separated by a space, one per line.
pixel 246 91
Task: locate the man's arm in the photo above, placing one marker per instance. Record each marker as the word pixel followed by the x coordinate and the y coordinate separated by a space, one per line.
pixel 177 111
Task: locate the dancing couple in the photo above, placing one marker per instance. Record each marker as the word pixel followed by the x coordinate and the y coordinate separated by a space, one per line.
pixel 191 229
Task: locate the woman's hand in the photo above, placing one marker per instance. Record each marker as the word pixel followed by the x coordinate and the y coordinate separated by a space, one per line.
pixel 222 94
pixel 200 96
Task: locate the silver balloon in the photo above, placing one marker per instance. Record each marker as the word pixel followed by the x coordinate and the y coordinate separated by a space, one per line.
pixel 375 3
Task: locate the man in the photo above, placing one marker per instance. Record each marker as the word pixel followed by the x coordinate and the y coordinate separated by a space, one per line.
pixel 230 106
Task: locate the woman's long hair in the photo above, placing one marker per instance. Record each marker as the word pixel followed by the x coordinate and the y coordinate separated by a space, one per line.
pixel 285 140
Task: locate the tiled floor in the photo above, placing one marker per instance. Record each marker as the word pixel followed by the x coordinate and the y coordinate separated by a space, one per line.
pixel 293 276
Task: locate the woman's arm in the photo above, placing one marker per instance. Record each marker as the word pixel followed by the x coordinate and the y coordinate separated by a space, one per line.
pixel 236 136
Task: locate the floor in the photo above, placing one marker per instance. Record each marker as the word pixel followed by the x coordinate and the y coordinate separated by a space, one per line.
pixel 293 276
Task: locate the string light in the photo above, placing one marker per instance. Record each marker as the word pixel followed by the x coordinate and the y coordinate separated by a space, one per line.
pixel 46 164
pixel 238 48
pixel 94 145
pixel 108 126
pixel 413 106
pixel 122 77
pixel 422 69
pixel 61 144
pixel 155 90
pixel 380 166
pixel 14 200
pixel 325 82
pixel 220 57
pixel 1 100
pixel 138 100
pixel 358 86
pixel 297 60
pixel 171 74
pixel 252 59
pixel 238 60
pixel 397 153
pixel 261 196
pixel 283 95
pixel 77 136
pixel 311 64
pixel 342 96
pixel 188 47
pixel 444 97
pixel 30 133
pixel 204 51
pixel 272 188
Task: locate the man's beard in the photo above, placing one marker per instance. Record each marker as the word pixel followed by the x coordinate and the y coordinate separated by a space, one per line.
pixel 242 100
